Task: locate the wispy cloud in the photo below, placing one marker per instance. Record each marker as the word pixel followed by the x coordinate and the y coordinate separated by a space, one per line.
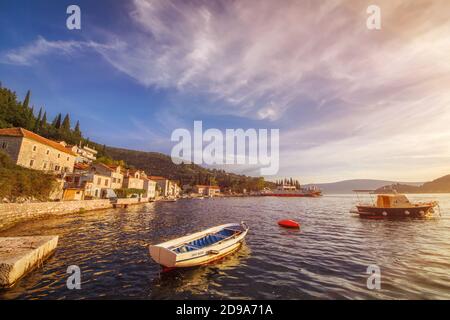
pixel 30 54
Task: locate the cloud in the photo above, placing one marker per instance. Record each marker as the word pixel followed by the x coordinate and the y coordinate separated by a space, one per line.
pixel 344 97
pixel 30 54
pixel 247 55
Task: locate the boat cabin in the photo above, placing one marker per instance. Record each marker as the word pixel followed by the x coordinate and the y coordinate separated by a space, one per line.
pixel 392 201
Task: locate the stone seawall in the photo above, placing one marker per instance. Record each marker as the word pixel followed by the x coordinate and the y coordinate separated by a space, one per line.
pixel 13 213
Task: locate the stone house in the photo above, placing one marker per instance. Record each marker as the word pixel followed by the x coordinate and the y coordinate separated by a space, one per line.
pixel 96 181
pixel 84 153
pixel 94 185
pixel 33 151
pixel 112 171
pixel 134 179
pixel 207 190
pixel 149 188
pixel 168 188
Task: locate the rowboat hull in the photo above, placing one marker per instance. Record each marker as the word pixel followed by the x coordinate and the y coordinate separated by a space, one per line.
pixel 168 257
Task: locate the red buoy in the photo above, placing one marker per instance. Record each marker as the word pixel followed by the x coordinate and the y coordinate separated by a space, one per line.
pixel 289 224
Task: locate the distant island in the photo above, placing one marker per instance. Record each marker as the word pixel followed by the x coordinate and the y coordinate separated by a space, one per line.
pixel 347 186
pixel 439 185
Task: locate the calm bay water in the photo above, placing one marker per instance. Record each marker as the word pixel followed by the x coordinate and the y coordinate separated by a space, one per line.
pixel 326 259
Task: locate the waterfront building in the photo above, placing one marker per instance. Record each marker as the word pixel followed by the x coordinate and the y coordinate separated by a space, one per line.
pixel 149 188
pixel 33 151
pixel 93 184
pixel 206 190
pixel 168 188
pixel 112 171
pixel 133 179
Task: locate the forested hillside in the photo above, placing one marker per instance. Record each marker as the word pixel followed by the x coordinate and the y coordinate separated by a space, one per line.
pixel 14 113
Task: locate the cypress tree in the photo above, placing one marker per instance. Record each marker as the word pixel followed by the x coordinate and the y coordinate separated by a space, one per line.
pixel 37 123
pixel 77 128
pixel 57 121
pixel 43 123
pixel 66 124
pixel 39 115
pixel 26 102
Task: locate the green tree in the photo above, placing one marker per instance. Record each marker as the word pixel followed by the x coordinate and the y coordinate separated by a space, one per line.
pixel 57 121
pixel 65 126
pixel 26 101
pixel 77 129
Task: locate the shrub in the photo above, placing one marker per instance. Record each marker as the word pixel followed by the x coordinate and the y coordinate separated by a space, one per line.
pixel 21 183
pixel 125 192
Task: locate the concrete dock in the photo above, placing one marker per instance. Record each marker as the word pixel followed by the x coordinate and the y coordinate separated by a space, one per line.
pixel 19 255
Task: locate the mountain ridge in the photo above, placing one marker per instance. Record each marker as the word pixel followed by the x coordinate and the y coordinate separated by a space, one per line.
pixel 347 186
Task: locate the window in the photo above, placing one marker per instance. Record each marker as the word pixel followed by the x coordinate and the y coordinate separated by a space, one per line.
pixel 68 158
pixel 99 181
pixel 114 180
pixel 106 182
pixel 4 145
pixel 48 151
pixel 57 168
pixel 118 180
pixel 31 163
pixel 44 166
pixel 34 148
pixel 59 155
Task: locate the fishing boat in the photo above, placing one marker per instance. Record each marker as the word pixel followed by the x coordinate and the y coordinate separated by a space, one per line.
pixel 292 191
pixel 201 247
pixel 392 205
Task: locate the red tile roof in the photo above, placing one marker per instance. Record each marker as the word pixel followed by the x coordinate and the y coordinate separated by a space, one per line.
pixel 21 132
pixel 81 166
pixel 104 166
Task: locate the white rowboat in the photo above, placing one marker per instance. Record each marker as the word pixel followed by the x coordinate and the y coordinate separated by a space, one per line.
pixel 201 247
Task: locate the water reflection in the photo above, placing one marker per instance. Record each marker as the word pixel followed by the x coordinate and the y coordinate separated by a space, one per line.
pixel 198 281
pixel 327 258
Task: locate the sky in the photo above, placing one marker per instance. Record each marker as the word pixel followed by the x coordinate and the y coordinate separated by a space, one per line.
pixel 349 102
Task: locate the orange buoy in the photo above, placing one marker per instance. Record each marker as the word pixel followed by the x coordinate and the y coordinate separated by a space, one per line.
pixel 289 224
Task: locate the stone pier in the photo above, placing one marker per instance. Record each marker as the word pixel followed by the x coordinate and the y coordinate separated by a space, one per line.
pixel 19 255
